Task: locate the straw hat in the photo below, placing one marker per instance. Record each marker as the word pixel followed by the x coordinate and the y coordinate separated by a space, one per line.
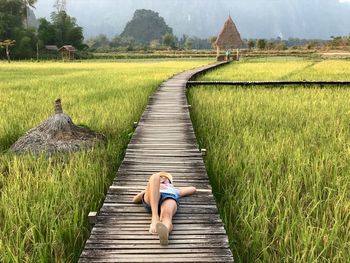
pixel 166 175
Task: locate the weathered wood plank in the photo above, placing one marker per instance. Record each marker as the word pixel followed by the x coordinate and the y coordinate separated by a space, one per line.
pixel 181 210
pixel 208 245
pixel 178 221
pixel 160 251
pixel 190 242
pixel 155 237
pixel 156 259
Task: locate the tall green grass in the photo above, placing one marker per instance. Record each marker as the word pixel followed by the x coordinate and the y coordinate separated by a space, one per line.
pixel 44 201
pixel 280 69
pixel 279 164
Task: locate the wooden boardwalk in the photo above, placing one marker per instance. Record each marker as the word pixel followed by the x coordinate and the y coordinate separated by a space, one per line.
pixel 163 141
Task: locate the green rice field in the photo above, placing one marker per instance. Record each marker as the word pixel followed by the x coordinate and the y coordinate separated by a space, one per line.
pixel 279 160
pixel 281 68
pixel 44 201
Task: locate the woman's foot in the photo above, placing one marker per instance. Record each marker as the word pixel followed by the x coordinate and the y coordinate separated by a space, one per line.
pixel 153 226
pixel 163 233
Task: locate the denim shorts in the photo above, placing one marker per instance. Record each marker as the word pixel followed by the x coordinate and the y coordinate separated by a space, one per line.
pixel 162 198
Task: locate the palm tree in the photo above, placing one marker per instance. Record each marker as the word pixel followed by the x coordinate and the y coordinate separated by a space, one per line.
pixel 7 44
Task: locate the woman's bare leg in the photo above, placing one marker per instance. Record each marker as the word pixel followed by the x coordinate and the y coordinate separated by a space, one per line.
pixel 167 211
pixel 151 197
pixel 165 226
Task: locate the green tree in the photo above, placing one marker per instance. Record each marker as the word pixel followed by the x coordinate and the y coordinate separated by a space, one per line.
pixel 46 32
pixel 261 43
pixel 270 45
pixel 145 26
pixel 10 18
pixel 13 18
pixel 25 47
pixel 63 30
pixel 169 40
pixel 188 44
pixel 183 40
pixel 281 46
pixel 251 44
pixel 212 41
pixel 154 44
pixel 101 41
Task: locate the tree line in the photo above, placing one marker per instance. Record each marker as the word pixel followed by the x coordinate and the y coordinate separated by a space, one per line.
pixel 25 40
pixel 147 30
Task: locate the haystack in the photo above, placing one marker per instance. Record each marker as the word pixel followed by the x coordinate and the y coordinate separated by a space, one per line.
pixel 229 37
pixel 57 134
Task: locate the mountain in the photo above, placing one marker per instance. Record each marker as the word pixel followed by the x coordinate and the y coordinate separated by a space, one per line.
pixel 145 26
pixel 204 18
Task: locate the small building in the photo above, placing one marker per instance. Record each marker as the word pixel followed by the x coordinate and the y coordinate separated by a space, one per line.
pixel 228 39
pixel 51 48
pixel 49 52
pixel 67 52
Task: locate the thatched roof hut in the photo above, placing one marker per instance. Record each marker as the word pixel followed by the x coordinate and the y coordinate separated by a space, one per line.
pixel 57 134
pixel 229 37
pixel 67 52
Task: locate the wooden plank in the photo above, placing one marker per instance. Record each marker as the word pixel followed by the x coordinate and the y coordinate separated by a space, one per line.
pixel 193 237
pixel 144 216
pixel 143 179
pixel 138 188
pixel 141 226
pixel 198 241
pixel 165 162
pixel 160 251
pixel 208 245
pixel 225 259
pixel 144 231
pixel 177 221
pixel 139 209
pixel 277 83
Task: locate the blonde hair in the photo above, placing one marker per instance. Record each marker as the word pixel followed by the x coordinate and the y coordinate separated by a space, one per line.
pixel 166 175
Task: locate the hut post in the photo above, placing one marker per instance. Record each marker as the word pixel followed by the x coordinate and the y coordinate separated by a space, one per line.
pixel 217 51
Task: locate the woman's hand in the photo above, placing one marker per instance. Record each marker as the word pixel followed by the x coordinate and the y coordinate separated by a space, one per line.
pixel 185 191
pixel 137 199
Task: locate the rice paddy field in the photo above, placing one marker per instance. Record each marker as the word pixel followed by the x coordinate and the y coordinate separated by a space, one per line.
pixel 44 201
pixel 279 159
pixel 282 68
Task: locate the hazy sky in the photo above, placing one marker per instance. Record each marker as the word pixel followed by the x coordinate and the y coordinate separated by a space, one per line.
pixel 204 18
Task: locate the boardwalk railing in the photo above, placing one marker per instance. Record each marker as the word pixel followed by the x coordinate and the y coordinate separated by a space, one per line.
pixel 277 83
pixel 164 140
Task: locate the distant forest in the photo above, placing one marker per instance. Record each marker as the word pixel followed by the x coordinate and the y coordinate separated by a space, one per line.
pixel 22 36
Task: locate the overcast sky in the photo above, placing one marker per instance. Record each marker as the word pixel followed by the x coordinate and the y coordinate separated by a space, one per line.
pixel 204 18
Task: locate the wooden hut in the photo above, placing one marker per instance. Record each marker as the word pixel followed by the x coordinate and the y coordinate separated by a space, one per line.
pixel 228 39
pixel 67 52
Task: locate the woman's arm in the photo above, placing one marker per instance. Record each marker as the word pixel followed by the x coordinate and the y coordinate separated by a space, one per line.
pixel 137 199
pixel 185 191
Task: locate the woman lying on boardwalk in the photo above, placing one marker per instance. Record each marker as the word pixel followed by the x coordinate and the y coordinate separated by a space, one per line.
pixel 161 199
